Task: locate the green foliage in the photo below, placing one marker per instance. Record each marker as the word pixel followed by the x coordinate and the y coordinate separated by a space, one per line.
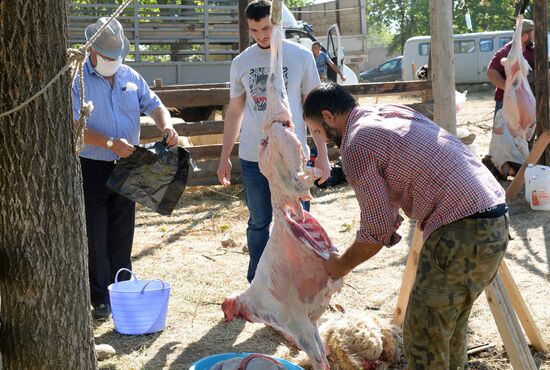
pixel 487 16
pixel 298 3
pixel 408 18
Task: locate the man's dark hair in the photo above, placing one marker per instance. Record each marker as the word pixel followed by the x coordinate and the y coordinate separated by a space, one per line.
pixel 328 96
pixel 316 43
pixel 257 10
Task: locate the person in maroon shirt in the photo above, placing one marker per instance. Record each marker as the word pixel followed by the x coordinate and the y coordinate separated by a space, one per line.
pixel 495 70
pixel 395 159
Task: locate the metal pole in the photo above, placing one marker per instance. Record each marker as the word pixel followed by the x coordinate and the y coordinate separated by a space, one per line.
pixel 206 32
pixel 137 56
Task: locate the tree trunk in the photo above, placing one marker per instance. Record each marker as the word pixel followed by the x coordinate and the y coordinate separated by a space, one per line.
pixel 45 307
pixel 442 64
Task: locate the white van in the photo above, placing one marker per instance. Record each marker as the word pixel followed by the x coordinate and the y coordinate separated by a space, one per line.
pixel 473 52
pixel 301 33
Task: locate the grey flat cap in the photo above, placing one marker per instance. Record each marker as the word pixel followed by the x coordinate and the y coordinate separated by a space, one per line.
pixel 527 25
pixel 111 43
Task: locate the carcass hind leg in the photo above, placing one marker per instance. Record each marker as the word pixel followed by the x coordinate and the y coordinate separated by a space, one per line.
pixel 310 342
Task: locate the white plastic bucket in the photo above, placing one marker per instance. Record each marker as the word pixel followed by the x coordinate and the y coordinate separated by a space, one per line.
pixel 139 306
pixel 537 178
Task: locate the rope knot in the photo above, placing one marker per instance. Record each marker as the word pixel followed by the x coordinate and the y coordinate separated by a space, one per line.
pixel 86 109
pixel 76 56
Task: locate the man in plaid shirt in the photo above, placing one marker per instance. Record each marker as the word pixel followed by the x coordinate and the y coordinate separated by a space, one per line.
pixel 395 158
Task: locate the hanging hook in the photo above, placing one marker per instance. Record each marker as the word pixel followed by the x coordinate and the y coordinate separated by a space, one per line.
pixel 521 5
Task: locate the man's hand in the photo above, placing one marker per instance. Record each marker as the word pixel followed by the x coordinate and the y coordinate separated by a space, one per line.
pixel 342 76
pixel 171 136
pixel 335 266
pixel 322 163
pixel 357 253
pixel 122 148
pixel 224 171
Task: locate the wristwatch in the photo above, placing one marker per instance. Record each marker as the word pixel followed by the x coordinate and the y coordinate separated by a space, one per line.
pixel 110 142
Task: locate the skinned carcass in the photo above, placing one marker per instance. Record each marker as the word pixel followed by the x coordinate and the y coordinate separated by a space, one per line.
pixel 515 123
pixel 291 288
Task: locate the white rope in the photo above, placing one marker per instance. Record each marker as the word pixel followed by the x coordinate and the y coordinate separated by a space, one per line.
pixel 76 56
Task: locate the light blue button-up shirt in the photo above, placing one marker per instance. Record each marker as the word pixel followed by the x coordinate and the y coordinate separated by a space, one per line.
pixel 116 110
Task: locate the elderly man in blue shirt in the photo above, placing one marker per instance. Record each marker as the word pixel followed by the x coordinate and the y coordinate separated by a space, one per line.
pixel 119 94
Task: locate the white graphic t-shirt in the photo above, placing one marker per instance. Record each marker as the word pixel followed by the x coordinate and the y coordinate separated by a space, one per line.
pixel 249 71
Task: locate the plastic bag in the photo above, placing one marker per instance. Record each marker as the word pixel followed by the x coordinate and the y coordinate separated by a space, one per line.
pixel 460 99
pixel 154 176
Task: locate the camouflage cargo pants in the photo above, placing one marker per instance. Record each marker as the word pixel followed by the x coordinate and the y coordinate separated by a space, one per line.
pixel 455 265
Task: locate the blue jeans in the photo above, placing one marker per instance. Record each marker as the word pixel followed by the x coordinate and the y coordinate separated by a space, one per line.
pixel 258 200
pixel 498 106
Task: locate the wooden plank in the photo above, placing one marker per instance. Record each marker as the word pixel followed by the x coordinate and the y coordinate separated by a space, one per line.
pixel 194 97
pixel 389 88
pixel 508 326
pixel 183 128
pixel 533 157
pixel 199 97
pixel 522 310
pixel 191 86
pixel 442 67
pixel 209 168
pixel 409 276
pixel 203 152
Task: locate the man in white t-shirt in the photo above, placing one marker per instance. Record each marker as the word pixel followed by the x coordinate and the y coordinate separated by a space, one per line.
pixel 246 110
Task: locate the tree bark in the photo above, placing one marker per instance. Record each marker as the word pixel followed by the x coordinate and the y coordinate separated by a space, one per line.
pixel 45 307
pixel 541 72
pixel 442 64
pixel 243 25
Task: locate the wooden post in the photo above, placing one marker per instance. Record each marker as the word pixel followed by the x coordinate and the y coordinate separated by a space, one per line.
pixel 157 82
pixel 442 67
pixel 536 152
pixel 409 276
pixel 523 312
pixel 508 326
pixel 243 26
pixel 541 70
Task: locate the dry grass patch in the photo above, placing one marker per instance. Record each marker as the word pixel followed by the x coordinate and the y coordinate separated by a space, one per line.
pixel 185 249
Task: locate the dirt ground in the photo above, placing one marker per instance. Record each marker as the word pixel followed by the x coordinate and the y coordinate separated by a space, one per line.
pixel 185 250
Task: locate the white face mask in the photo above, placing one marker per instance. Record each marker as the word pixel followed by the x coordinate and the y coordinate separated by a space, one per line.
pixel 107 68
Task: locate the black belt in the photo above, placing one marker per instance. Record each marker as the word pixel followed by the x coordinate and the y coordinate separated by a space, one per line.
pixel 491 212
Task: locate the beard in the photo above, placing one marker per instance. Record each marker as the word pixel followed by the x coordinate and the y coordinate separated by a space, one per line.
pixel 332 134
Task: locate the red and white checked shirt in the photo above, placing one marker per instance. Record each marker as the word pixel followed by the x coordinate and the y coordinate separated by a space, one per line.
pixel 395 158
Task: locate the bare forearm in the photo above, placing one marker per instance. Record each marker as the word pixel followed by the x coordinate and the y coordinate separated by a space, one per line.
pixel 335 68
pixel 356 254
pixel 230 134
pixel 162 118
pixel 232 125
pixel 495 78
pixel 320 144
pixel 95 138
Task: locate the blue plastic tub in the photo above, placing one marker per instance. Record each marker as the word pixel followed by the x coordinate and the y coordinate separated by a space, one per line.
pixel 139 306
pixel 207 362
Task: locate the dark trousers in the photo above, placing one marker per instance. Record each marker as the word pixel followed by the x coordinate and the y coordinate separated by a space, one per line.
pixel 258 200
pixel 110 221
